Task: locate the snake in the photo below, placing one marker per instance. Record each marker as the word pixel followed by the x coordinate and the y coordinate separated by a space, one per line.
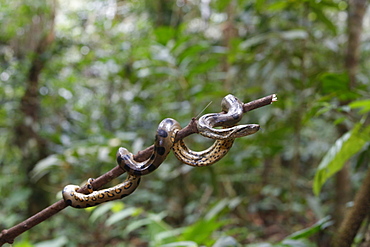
pixel 164 143
pixel 232 113
pixel 79 200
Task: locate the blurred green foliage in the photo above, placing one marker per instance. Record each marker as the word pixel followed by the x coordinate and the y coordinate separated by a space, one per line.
pixel 117 68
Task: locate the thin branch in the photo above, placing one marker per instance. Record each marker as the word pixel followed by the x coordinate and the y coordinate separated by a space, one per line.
pixel 259 102
pixel 8 235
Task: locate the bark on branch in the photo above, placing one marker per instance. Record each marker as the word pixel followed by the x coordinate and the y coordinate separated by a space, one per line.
pixel 8 235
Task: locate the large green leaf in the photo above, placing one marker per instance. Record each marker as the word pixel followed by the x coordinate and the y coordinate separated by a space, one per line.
pixel 343 149
pixel 363 105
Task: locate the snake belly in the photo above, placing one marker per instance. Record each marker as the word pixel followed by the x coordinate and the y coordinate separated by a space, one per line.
pixel 80 200
pixel 233 109
pixel 164 141
pixel 225 137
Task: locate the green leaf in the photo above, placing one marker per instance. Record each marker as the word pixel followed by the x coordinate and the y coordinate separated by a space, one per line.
pixel 307 232
pixel 332 82
pixel 201 231
pixel 278 6
pixel 121 215
pixel 337 84
pixel 213 212
pixel 164 34
pixel 253 41
pixel 260 5
pixel 363 105
pixel 44 166
pixel 56 242
pixel 101 210
pixel 217 209
pixel 23 243
pixel 343 149
pixel 319 11
pixel 150 219
pixel 220 5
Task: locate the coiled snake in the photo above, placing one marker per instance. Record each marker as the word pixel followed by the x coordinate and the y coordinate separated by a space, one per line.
pixel 233 112
pixel 164 142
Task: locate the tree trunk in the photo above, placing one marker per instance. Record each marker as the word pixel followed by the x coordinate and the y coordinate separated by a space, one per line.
pixel 353 219
pixel 27 138
pixel 356 12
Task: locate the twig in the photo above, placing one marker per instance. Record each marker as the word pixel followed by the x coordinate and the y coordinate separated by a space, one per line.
pixel 8 235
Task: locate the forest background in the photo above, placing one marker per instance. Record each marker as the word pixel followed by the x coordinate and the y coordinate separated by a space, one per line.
pixel 78 79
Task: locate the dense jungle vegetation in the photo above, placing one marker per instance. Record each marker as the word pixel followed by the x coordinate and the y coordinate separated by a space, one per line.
pixel 79 79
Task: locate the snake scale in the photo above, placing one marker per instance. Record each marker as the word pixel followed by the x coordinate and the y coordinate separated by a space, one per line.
pixel 164 142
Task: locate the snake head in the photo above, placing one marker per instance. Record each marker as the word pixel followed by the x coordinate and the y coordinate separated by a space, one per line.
pixel 244 130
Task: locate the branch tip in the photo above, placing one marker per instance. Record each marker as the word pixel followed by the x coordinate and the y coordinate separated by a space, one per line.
pixel 274 98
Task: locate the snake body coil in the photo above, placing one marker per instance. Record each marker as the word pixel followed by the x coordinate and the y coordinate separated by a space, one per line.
pixel 233 112
pixel 80 200
pixel 203 158
pixel 164 140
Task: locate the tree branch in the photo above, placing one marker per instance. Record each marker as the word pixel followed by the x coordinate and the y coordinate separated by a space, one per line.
pixel 8 235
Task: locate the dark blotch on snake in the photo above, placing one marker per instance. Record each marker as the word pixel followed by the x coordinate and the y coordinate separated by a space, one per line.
pixel 119 159
pixel 169 121
pixel 151 168
pixel 123 195
pixel 162 133
pixel 235 116
pixel 161 150
pixel 136 173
